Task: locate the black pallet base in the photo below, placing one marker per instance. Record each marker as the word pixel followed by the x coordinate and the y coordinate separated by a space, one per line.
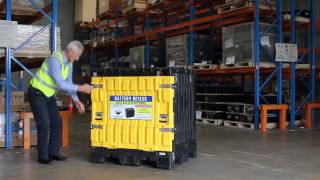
pixel 163 160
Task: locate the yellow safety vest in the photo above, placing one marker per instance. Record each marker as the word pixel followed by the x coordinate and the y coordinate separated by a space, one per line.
pixel 43 80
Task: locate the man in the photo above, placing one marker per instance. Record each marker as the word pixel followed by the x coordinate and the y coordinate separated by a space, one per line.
pixel 54 74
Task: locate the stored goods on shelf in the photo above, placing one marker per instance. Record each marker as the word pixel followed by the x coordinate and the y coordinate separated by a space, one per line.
pixel 153 2
pixel 85 11
pixel 177 50
pixel 39 46
pixel 133 5
pixel 17 98
pixel 8 34
pixel 24 7
pixel 106 6
pixel 138 57
pixel 231 5
pixel 238 44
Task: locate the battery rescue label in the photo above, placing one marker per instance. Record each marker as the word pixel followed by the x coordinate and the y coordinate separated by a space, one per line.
pixel 131 107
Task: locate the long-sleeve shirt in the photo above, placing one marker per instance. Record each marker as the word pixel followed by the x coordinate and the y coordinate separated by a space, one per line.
pixel 54 67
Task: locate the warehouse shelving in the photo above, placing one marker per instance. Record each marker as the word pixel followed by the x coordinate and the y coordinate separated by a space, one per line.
pixel 25 65
pixel 202 16
pixel 24 19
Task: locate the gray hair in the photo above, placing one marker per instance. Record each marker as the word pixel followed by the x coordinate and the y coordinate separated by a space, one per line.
pixel 75 46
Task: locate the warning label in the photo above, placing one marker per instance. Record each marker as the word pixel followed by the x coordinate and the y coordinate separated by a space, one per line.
pixel 131 107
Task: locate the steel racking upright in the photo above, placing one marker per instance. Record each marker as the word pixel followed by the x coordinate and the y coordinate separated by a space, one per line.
pixel 53 18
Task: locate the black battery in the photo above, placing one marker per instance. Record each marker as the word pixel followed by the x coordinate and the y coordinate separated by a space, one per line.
pixel 130 112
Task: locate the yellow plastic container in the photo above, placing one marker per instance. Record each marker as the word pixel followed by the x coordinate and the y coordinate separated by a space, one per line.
pixel 133 113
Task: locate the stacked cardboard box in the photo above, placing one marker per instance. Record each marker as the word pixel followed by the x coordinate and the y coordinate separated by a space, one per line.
pixel 133 5
pixel 85 11
pixel 23 7
pixel 17 101
pixel 39 46
pixel 109 6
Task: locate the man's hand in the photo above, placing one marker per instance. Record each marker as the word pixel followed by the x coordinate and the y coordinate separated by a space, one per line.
pixel 85 88
pixel 80 107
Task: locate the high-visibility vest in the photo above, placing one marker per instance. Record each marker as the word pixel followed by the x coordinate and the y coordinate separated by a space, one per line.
pixel 43 80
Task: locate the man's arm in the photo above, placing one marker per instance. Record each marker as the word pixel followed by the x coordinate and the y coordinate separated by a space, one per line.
pixel 54 68
pixel 72 94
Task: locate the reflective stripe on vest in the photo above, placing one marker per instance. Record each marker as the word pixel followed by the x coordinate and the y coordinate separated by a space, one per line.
pixel 43 80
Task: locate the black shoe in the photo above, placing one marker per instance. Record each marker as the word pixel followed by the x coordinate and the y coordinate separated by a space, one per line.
pixel 58 158
pixel 44 161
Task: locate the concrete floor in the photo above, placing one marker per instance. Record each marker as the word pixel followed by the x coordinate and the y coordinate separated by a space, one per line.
pixel 224 154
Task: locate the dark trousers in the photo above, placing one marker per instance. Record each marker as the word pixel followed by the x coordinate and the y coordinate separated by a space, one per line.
pixel 48 120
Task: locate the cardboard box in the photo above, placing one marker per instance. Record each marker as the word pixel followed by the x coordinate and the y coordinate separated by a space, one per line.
pixel 133 5
pixel 14 108
pixel 24 7
pixel 39 46
pixel 2 98
pixel 18 142
pixel 85 11
pixel 109 6
pixel 18 98
pixel 17 101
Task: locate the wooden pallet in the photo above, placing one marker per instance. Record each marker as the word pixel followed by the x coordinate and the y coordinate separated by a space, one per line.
pixel 82 23
pixel 246 65
pixel 199 121
pixel 132 11
pixel 136 6
pixel 107 14
pixel 194 67
pixel 233 124
pixel 225 8
pixel 16 108
pixel 215 122
pixel 150 5
pixel 233 6
pixel 199 66
pixel 252 64
pixel 225 66
pixel 303 66
pixel 296 123
pixel 245 125
pixel 298 18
